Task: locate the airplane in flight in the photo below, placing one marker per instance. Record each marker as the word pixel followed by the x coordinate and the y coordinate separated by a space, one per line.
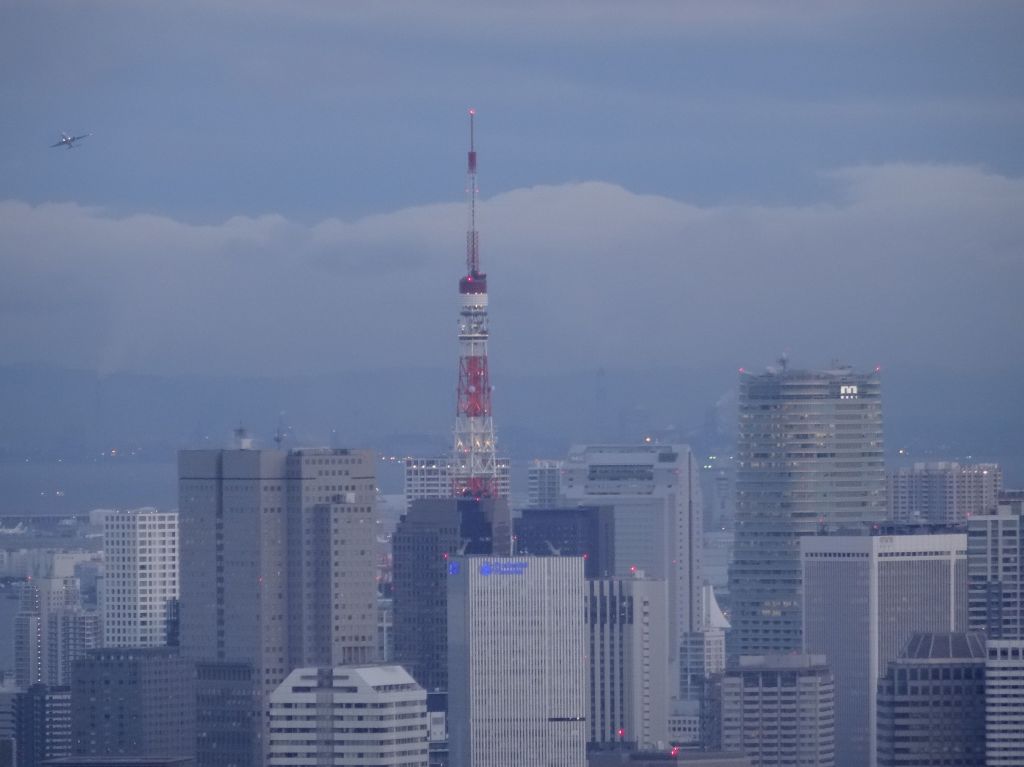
pixel 69 141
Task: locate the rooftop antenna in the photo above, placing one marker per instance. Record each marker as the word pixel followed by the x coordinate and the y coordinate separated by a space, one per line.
pixel 242 439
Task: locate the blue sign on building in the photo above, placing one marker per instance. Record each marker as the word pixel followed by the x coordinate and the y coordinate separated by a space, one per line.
pixel 503 568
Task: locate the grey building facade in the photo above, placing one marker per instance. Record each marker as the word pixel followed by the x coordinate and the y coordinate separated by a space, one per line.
pixel 627 636
pixel 42 723
pixel 995 555
pixel 944 492
pixel 931 703
pixel 427 537
pixel 779 710
pixel 228 715
pixel 133 702
pixel 864 597
pixel 654 491
pixel 51 631
pixel 581 531
pixel 277 553
pixel 809 457
pixel 1004 702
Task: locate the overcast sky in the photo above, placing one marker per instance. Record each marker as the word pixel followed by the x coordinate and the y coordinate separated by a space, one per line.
pixel 279 186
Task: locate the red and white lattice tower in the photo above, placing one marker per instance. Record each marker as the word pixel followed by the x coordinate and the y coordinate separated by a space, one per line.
pixel 475 470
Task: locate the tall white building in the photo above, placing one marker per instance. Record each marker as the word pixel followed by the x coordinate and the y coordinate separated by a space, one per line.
pixel 1004 703
pixel 348 716
pixel 433 478
pixel 809 456
pixel 628 652
pixel 944 492
pixel 277 551
pixel 655 492
pixel 864 596
pixel 141 552
pixel 544 483
pixel 517 661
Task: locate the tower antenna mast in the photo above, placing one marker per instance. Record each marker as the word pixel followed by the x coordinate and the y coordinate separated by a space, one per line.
pixel 472 236
pixel 474 449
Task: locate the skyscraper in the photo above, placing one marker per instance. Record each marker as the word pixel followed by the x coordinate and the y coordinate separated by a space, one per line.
pixel 228 715
pixel 517 661
pixel 809 457
pixel 133 702
pixel 995 554
pixel 42 717
pixel 931 703
pixel 428 536
pixel 655 493
pixel 945 492
pixel 1004 712
pixel 995 562
pixel 627 647
pixel 863 598
pixel 51 631
pixel 141 579
pixel 778 709
pixel 277 552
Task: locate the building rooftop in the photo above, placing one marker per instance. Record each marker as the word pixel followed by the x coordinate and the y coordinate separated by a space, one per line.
pixel 953 646
pixel 780 661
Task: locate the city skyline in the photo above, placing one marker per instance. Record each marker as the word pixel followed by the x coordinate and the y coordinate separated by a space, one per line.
pixel 714 236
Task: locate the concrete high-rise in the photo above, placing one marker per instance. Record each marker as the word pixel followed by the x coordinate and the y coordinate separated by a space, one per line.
pixel 995 572
pixel 277 552
pixel 133 702
pixel 779 710
pixel 426 538
pixel 808 457
pixel 140 584
pixel 228 715
pixel 42 720
pixel 931 703
pixel 863 598
pixel 1004 703
pixel 655 494
pixel 51 631
pixel 517 661
pixel 348 716
pixel 945 492
pixel 628 652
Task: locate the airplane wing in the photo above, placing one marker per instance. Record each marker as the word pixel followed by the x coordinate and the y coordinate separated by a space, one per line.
pixel 59 143
pixel 84 135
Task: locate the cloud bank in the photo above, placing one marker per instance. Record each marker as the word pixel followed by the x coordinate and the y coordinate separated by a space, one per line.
pixel 903 265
